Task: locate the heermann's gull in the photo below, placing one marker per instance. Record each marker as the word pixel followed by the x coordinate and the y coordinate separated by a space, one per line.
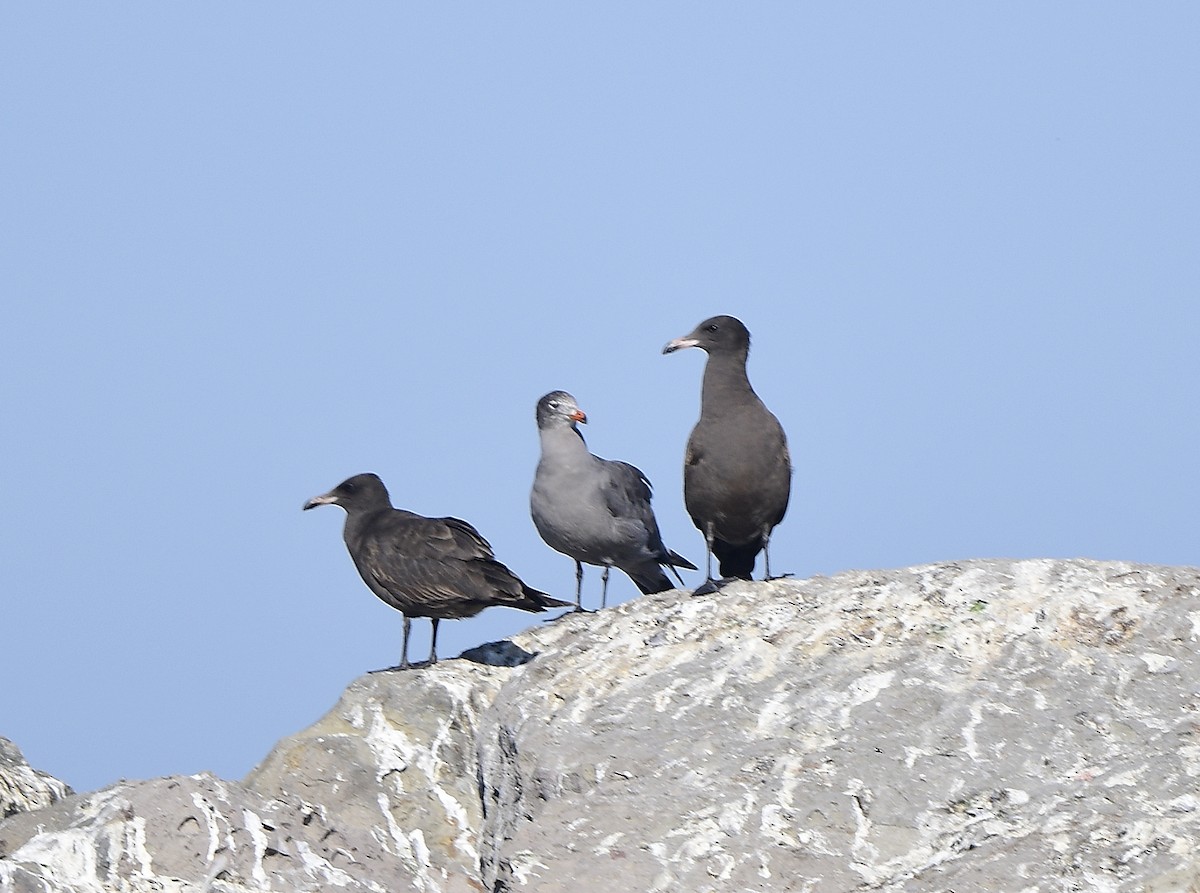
pixel 595 510
pixel 736 474
pixel 424 567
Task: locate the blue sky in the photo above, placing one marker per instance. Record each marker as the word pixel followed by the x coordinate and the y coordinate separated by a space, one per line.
pixel 252 249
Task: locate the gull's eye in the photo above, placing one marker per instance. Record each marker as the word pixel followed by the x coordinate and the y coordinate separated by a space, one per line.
pixel 712 327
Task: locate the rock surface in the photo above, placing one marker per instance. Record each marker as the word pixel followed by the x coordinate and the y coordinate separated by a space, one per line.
pixel 23 788
pixel 985 725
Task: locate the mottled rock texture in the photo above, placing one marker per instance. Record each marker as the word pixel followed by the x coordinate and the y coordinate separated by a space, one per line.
pixel 1026 726
pixel 23 788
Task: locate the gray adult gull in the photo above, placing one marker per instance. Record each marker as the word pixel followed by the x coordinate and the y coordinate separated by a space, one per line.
pixel 440 568
pixel 596 511
pixel 737 474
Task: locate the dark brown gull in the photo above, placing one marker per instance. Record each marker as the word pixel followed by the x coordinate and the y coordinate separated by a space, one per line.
pixel 440 568
pixel 737 473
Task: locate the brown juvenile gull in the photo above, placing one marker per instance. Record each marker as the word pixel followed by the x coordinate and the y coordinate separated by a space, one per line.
pixel 438 568
pixel 736 474
pixel 596 511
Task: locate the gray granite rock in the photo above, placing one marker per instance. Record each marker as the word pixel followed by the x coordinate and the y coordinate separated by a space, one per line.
pixel 393 767
pixel 1026 726
pixel 379 795
pixel 988 725
pixel 22 787
pixel 180 833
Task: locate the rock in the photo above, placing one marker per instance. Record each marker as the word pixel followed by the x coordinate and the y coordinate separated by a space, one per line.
pixel 23 788
pixel 380 795
pixel 179 833
pixel 393 767
pixel 985 725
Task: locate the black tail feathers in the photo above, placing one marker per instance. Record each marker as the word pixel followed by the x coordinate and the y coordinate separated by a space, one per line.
pixel 737 560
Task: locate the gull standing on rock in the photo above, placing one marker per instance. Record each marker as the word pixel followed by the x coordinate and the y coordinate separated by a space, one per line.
pixel 737 474
pixel 438 568
pixel 595 510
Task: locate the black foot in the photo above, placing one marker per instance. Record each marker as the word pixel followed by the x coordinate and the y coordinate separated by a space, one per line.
pixel 709 586
pixel 419 665
pixel 778 577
